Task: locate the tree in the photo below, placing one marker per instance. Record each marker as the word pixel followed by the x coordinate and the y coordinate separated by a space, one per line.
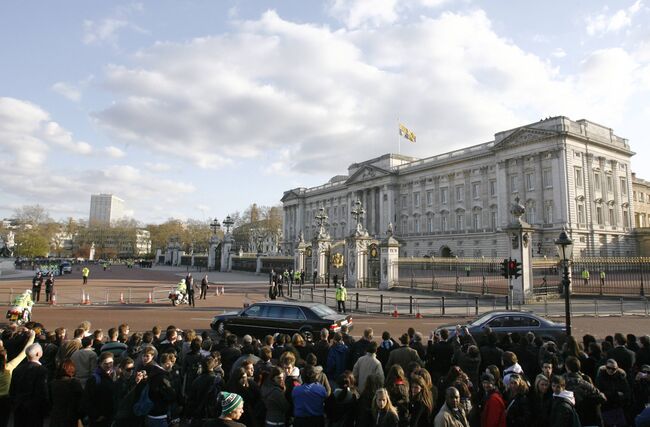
pixel 32 215
pixel 31 243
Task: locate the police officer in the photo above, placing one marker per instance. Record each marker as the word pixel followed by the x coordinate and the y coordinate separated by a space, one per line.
pixel 341 296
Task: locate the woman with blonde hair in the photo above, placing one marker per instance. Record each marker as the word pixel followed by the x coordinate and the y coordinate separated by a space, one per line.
pixel 383 411
pixel 518 410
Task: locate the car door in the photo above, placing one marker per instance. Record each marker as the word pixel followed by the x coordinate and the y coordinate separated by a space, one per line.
pixel 246 320
pixel 293 318
pixel 498 325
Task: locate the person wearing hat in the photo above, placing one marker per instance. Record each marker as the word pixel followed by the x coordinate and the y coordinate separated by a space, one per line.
pixel 494 408
pixel 232 408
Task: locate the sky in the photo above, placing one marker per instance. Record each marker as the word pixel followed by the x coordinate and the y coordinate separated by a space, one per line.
pixel 197 109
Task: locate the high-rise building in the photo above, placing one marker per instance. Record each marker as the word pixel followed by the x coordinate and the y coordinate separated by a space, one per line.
pixel 105 208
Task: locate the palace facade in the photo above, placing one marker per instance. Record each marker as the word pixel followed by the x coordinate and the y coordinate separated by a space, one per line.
pixel 573 174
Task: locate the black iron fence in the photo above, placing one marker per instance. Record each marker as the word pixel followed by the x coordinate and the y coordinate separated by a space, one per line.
pixel 610 276
pixel 244 263
pixel 278 264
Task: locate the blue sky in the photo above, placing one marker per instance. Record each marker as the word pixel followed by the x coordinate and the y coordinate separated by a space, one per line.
pixel 196 109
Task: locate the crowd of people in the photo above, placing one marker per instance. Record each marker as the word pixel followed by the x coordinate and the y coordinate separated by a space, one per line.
pixel 173 377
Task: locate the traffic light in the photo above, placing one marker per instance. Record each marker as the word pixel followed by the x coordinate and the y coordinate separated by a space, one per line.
pixel 515 270
pixel 504 269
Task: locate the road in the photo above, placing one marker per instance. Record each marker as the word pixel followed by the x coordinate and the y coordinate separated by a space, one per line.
pixel 244 287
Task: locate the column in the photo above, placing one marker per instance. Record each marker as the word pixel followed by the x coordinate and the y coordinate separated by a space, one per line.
pixel 383 224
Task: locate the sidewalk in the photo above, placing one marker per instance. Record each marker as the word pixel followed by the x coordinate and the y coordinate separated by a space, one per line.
pixel 232 277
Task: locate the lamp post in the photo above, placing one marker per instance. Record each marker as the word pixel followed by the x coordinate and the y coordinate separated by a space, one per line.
pixel 215 225
pixel 228 222
pixel 565 249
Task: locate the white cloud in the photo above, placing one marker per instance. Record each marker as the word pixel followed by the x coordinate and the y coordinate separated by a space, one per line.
pixel 558 53
pixel 301 96
pixel 374 13
pixel 27 135
pixel 114 152
pixel 157 167
pixel 605 22
pixel 67 90
pixel 104 31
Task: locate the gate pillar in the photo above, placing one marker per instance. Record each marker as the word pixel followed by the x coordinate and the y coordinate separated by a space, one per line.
pixel 520 235
pixel 389 253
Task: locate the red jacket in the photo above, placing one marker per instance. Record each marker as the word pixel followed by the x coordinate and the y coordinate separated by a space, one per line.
pixel 494 411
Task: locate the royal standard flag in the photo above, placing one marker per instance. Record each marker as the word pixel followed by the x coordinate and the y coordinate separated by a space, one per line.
pixel 403 131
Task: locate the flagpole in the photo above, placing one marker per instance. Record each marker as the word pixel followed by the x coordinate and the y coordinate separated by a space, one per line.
pixel 399 139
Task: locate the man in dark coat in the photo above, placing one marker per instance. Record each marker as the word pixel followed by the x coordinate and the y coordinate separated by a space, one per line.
pixel 623 356
pixel 29 390
pixel 490 353
pixel 439 354
pixel 562 409
pixel 403 355
pixel 99 393
pixel 587 397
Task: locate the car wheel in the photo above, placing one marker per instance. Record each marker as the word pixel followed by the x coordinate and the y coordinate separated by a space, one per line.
pixel 309 336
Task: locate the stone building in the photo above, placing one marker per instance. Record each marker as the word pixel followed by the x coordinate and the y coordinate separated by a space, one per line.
pixel 573 174
pixel 641 201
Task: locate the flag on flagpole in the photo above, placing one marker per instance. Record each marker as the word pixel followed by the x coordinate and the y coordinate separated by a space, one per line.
pixel 403 131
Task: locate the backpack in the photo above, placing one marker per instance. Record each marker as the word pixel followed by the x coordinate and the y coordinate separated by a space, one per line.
pixel 144 404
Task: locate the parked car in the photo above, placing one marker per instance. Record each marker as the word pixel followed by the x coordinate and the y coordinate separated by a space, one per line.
pixel 66 267
pixel 511 321
pixel 267 318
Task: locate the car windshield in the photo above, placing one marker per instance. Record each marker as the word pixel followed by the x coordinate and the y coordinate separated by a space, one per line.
pixel 481 319
pixel 322 310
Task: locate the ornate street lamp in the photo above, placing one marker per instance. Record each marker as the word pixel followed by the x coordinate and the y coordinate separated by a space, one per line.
pixel 228 222
pixel 565 249
pixel 215 225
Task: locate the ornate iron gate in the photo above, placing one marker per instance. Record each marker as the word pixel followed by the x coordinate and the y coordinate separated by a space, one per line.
pixel 374 274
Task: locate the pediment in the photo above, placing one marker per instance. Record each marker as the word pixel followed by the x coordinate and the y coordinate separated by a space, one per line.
pixel 367 173
pixel 289 195
pixel 525 136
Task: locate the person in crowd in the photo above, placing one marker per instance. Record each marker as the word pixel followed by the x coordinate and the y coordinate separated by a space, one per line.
pixel 403 355
pixel 469 360
pixel 451 414
pixel 336 358
pixel 49 287
pixel 641 389
pixel 275 401
pixel 113 345
pixel 340 405
pixel 387 345
pixel 99 392
pixel 232 409
pixel 367 365
pixel 309 401
pixel 125 393
pixel 642 356
pixel 161 392
pixel 420 403
pixel 320 372
pixel 398 387
pixel 50 348
pixel 541 400
pixel 231 353
pixel 612 382
pixel 510 367
pixel 439 354
pixel 493 413
pixel 562 410
pixel 240 384
pixel 6 371
pixel 625 358
pixel 416 344
pixel 67 348
pixel 358 348
pixel 518 409
pixel 29 389
pixel 383 412
pixel 588 398
pixel 66 393
pixel 491 354
pixel 85 360
pixel 202 397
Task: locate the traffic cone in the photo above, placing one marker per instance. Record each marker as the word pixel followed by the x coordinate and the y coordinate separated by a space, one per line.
pixel 53 299
pixel 216 291
pixel 395 313
pixel 83 296
pixel 87 300
pixel 223 290
pixel 122 298
pixel 149 299
pixel 418 315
